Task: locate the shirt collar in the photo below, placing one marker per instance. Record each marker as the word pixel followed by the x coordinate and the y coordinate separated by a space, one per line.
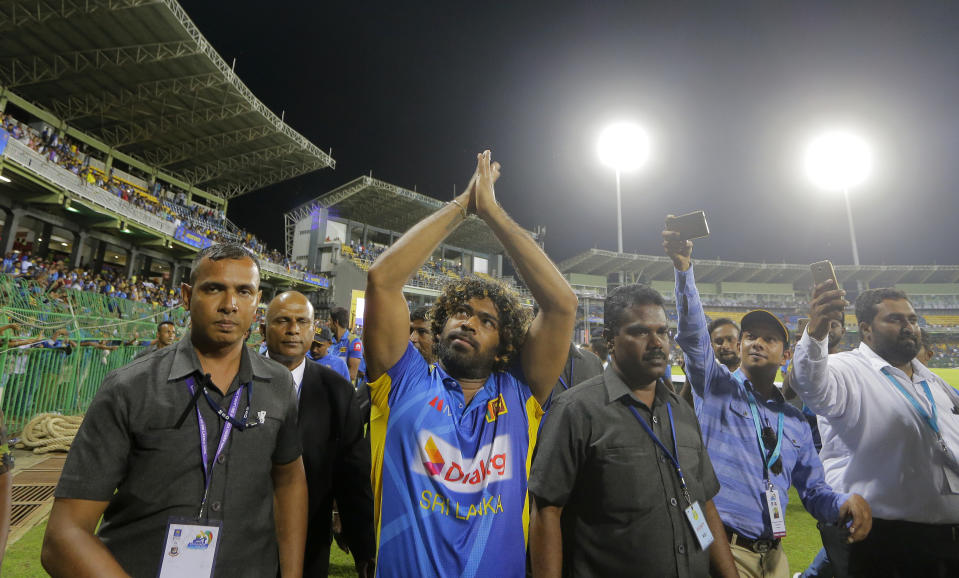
pixel 740 376
pixel 186 362
pixel 879 363
pixel 298 373
pixel 616 388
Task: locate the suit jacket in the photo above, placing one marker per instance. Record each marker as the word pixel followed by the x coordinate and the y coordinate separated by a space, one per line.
pixel 337 460
pixel 581 364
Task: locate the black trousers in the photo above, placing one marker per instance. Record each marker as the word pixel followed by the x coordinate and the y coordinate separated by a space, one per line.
pixel 894 549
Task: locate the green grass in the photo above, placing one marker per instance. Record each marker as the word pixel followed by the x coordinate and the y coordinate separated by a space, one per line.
pixel 802 541
pixel 801 544
pixel 23 558
pixel 949 375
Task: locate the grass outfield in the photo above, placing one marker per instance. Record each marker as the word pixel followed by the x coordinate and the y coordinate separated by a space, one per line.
pixel 23 558
pixel 801 543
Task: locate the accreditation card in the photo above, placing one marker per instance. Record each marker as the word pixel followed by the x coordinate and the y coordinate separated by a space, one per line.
pixel 697 520
pixel 190 548
pixel 777 517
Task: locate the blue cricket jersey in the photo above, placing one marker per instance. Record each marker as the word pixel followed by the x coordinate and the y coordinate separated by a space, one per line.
pixel 449 481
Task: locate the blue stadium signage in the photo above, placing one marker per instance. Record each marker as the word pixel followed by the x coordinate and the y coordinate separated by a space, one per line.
pixel 191 238
pixel 316 280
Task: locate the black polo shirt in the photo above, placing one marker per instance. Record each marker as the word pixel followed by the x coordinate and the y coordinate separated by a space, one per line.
pixel 128 441
pixel 621 498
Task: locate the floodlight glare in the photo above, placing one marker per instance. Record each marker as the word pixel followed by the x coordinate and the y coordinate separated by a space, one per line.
pixel 623 147
pixel 838 161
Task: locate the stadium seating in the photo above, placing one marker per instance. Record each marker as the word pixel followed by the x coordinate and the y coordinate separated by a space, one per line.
pixel 168 204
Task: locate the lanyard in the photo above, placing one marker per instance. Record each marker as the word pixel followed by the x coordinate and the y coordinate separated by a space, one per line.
pixel 767 462
pixel 563 381
pixel 674 456
pixel 931 420
pixel 224 434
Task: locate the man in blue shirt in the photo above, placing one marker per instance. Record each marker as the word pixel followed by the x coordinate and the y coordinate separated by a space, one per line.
pixel 320 353
pixel 759 444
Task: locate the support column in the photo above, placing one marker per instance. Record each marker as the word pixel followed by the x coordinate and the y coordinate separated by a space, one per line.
pixel 99 253
pixel 10 230
pixel 318 221
pixel 79 242
pixel 43 247
pixel 132 255
pixel 175 274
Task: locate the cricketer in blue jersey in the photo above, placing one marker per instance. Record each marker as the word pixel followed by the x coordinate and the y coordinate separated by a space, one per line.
pixel 346 344
pixel 451 441
pixel 322 353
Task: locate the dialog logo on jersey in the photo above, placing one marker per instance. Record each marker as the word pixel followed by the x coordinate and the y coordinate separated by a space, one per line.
pixel 445 465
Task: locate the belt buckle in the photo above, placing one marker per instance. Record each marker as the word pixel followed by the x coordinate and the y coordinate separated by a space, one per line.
pixel 761 546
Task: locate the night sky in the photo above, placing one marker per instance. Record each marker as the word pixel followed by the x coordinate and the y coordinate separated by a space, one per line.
pixel 730 94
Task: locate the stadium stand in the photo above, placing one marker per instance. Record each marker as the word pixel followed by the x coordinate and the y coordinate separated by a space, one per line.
pixel 730 289
pixel 121 144
pixel 168 203
pixel 341 233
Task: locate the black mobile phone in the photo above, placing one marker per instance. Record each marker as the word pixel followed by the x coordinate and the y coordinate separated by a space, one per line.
pixel 689 226
pixel 823 271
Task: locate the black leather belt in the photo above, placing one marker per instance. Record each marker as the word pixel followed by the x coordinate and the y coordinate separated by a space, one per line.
pixel 758 546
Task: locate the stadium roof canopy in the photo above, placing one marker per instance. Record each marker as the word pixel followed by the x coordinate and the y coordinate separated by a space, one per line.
pixel 139 76
pixel 387 206
pixel 660 268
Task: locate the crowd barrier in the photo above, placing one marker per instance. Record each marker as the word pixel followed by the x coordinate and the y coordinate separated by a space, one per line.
pixel 62 380
pixel 86 314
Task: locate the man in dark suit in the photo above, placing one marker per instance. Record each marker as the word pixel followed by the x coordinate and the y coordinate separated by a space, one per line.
pixel 335 453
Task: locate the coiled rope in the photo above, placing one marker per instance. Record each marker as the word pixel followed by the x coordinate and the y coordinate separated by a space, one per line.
pixel 49 432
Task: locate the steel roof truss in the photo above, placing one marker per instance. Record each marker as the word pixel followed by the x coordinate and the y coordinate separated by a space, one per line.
pixel 17 71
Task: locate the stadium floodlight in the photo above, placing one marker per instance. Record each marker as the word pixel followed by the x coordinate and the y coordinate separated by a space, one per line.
pixel 837 161
pixel 623 147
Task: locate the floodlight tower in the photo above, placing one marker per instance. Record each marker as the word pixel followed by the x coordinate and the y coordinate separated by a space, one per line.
pixel 837 161
pixel 624 147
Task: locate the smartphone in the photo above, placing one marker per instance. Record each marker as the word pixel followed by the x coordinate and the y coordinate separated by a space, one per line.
pixel 689 226
pixel 823 271
pixel 801 326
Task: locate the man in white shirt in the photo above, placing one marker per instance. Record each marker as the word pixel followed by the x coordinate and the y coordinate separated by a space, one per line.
pixel 890 431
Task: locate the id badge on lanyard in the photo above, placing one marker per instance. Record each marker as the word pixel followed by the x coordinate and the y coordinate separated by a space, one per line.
pixel 777 515
pixel 694 512
pixel 950 466
pixel 190 546
pixel 774 506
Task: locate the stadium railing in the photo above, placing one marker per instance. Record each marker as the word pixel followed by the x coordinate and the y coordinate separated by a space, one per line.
pixel 86 314
pixel 63 380
pixel 77 185
pixel 65 179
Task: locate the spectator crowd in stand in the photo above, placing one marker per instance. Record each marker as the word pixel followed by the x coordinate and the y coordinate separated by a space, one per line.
pixel 169 204
pixel 53 277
